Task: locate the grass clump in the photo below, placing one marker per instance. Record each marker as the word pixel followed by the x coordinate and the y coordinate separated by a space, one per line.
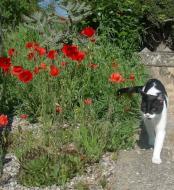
pixel 48 170
pixel 82 186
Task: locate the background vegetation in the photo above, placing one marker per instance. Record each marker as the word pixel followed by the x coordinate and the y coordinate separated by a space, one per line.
pixel 137 23
pixel 134 24
pixel 78 114
pixel 12 10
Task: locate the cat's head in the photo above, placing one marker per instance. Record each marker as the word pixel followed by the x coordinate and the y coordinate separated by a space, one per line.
pixel 151 105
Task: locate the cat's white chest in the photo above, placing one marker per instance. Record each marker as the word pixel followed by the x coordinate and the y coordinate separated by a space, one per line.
pixel 152 123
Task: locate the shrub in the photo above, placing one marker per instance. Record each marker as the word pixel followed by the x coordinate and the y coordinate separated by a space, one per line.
pixel 11 10
pixel 122 19
pixel 158 22
pixel 134 24
pixel 55 170
pixel 94 72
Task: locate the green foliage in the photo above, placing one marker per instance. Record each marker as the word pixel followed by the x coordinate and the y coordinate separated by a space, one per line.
pixel 52 28
pixel 4 144
pixel 1 42
pixel 158 11
pixel 82 186
pixel 122 19
pixel 5 103
pixel 12 10
pixel 48 25
pixel 103 182
pixel 38 97
pixel 158 23
pixel 44 163
pixel 47 170
pixel 121 136
pixel 76 11
pixel 22 144
pixel 80 133
pixel 68 151
pixel 92 139
pixel 134 24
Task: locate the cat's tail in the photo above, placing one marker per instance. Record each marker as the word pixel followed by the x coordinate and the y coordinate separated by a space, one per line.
pixel 129 90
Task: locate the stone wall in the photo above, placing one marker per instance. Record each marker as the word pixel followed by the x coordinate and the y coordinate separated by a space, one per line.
pixel 158 58
pixel 161 61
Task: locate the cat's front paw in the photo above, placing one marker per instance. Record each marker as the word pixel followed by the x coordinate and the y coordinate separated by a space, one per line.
pixel 156 160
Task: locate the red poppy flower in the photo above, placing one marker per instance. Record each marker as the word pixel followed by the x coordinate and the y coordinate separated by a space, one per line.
pixel 132 77
pixel 31 56
pixel 23 116
pixel 58 109
pixel 88 32
pixel 16 70
pixel 41 51
pixel 30 45
pixel 52 54
pixel 25 76
pixel 5 63
pixel 3 120
pixel 88 101
pixel 68 50
pixel 93 66
pixel 4 60
pixel 116 78
pixel 54 71
pixel 79 56
pixel 36 70
pixel 73 53
pixel 43 66
pixel 11 52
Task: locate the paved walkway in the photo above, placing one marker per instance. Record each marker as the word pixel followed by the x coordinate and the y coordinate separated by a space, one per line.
pixel 134 170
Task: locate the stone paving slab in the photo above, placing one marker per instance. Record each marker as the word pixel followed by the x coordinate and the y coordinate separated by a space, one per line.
pixel 134 171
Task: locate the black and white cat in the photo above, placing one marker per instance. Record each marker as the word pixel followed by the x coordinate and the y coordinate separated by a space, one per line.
pixel 154 113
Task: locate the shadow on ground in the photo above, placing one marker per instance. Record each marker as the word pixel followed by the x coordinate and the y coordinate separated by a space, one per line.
pixel 143 138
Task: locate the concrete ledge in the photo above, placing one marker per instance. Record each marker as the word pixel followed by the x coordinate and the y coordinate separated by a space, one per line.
pixel 157 59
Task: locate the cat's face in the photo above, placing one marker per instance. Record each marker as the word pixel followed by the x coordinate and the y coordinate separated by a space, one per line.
pixel 151 105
